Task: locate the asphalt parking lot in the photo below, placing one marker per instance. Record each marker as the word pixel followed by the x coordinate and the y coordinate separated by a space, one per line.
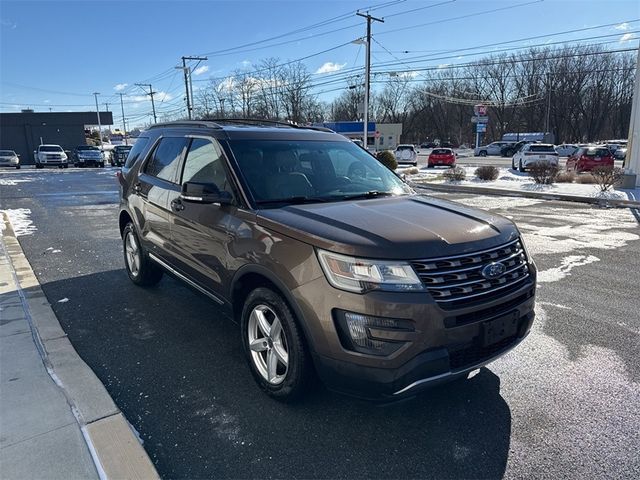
pixel 566 403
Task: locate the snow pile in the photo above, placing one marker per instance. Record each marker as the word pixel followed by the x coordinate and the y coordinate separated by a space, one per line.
pixel 20 221
pixel 517 181
pixel 11 182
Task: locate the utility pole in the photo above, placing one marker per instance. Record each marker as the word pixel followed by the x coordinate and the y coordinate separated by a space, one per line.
pixel 124 123
pixel 187 81
pixel 367 72
pixel 151 94
pixel 106 106
pixel 546 123
pixel 95 94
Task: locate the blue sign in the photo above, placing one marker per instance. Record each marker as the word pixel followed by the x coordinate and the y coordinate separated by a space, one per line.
pixel 481 127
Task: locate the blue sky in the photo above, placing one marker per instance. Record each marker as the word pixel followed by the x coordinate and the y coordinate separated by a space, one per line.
pixel 54 54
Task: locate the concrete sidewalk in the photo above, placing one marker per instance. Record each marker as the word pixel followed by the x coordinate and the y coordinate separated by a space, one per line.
pixel 57 420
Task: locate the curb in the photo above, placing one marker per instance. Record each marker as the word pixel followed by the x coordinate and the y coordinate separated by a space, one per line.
pixel 114 447
pixel 602 202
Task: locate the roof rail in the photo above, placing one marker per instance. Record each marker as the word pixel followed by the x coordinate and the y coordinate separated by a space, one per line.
pixel 258 121
pixel 187 123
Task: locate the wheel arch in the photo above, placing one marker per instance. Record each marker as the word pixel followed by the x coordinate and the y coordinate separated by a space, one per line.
pixel 250 277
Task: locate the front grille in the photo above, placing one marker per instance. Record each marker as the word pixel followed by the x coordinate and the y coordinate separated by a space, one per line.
pixel 475 354
pixel 457 281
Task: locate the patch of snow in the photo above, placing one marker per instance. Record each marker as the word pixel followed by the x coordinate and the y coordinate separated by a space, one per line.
pixel 497 203
pixel 56 251
pixel 10 182
pixel 20 221
pixel 568 263
pixel 63 300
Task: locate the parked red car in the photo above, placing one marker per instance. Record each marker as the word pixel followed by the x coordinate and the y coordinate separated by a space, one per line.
pixel 586 159
pixel 441 156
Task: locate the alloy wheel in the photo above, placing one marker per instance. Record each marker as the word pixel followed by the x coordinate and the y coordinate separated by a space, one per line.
pixel 268 344
pixel 133 254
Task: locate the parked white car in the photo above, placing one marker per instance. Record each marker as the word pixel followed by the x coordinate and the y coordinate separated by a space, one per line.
pixel 566 149
pixel 534 153
pixel 50 155
pixel 9 158
pixel 406 153
pixel 494 148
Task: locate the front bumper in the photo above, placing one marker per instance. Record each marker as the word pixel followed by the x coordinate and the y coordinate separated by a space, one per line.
pixel 9 163
pixel 447 343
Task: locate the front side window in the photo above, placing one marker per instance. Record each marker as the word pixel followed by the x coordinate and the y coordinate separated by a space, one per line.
pixel 314 171
pixel 205 164
pixel 166 158
pixel 135 151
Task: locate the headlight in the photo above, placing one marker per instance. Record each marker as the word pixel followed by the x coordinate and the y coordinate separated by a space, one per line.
pixel 361 275
pixel 64 156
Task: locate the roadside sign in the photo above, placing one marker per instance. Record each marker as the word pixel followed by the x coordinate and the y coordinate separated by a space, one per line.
pixel 480 110
pixel 481 127
pixel 480 119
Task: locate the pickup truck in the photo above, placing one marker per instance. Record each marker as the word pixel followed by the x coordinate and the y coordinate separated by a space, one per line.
pixel 53 155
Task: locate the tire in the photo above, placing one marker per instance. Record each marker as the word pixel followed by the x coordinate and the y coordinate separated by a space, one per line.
pixel 101 165
pixel 38 165
pixel 288 380
pixel 483 153
pixel 140 268
pixel 17 167
pixel 513 164
pixel 66 165
pixel 429 165
pixel 520 167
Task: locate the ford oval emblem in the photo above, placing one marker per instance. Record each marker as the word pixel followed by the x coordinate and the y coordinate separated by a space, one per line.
pixel 493 270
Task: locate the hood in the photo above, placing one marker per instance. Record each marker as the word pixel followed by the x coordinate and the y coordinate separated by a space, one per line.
pixel 404 227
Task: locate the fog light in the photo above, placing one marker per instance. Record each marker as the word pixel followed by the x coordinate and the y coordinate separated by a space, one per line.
pixel 372 335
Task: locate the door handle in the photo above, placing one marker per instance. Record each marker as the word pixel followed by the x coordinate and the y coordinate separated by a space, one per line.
pixel 177 205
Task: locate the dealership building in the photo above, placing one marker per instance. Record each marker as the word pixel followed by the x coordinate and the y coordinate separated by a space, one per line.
pixel 24 131
pixel 381 136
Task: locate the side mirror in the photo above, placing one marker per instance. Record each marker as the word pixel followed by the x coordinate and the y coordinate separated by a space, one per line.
pixel 204 193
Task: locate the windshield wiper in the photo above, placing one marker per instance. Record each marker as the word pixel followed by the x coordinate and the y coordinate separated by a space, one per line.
pixel 369 194
pixel 297 200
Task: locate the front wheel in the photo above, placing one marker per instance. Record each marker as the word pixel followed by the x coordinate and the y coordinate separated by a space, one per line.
pixel 101 165
pixel 520 167
pixel 17 167
pixel 483 153
pixel 274 345
pixel 38 165
pixel 139 267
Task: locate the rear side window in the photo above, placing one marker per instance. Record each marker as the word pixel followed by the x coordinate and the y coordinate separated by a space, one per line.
pixel 164 162
pixel 135 151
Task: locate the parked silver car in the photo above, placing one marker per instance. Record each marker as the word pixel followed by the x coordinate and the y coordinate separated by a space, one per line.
pixel 494 148
pixel 9 158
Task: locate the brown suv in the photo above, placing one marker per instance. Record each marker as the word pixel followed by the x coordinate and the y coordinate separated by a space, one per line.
pixel 332 264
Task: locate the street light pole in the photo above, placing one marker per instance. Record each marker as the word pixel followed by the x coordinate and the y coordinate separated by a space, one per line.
pixel 95 94
pixel 367 72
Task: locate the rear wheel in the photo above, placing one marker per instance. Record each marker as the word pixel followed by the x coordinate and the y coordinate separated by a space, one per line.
pixel 429 165
pixel 274 345
pixel 141 270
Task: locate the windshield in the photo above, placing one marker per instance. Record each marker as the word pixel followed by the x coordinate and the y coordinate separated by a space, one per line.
pixel 277 170
pixel 6 153
pixel 405 147
pixel 87 147
pixel 50 148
